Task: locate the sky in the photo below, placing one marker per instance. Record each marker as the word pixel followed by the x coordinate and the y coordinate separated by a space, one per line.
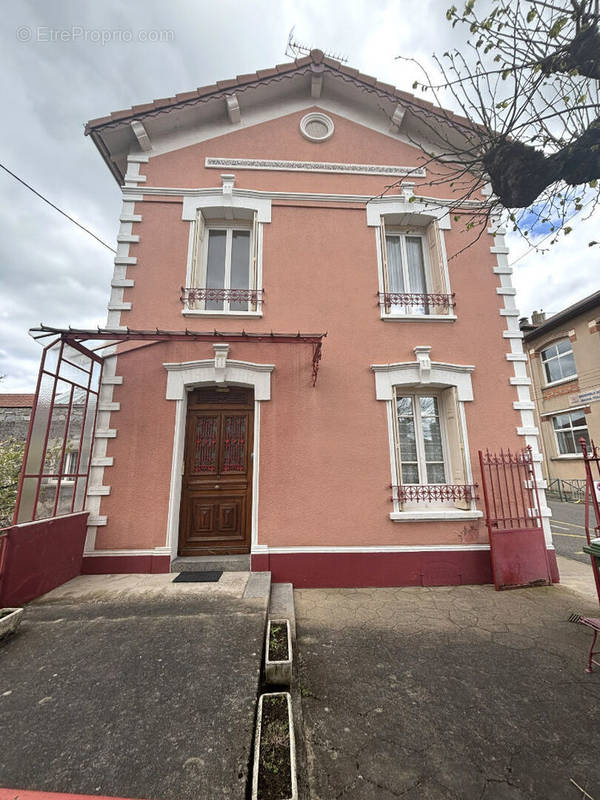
pixel 66 62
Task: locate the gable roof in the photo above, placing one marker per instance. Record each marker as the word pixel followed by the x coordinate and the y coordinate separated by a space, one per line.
pixel 114 137
pixel 589 303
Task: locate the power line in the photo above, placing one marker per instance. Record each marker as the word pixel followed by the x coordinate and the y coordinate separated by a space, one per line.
pixel 56 208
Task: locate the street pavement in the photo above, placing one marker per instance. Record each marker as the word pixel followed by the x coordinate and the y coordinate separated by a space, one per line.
pixel 568 529
pixel 448 693
pixel 132 686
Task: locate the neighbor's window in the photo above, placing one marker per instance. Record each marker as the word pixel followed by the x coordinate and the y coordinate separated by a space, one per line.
pixel 558 361
pixel 420 445
pixel 569 428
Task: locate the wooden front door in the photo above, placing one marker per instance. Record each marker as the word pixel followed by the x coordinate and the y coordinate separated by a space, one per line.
pixel 217 474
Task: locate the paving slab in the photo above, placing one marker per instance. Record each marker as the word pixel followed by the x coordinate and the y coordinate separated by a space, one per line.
pixel 132 686
pixel 459 693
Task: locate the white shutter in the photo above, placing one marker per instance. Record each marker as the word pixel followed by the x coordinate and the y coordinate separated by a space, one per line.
pixel 254 260
pixel 436 260
pixel 384 261
pixel 457 455
pixel 199 234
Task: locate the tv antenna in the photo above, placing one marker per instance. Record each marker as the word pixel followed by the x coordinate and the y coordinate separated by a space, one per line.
pixel 294 49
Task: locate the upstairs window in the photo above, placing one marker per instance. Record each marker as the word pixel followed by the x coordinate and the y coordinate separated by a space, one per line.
pixel 414 275
pixel 558 361
pixel 224 276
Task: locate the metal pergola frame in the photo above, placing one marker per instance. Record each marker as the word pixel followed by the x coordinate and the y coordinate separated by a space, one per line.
pixel 82 381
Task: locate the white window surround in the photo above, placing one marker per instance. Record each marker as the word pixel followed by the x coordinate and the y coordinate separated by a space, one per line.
pixel 182 377
pixel 423 375
pixel 224 205
pixel 573 377
pixel 401 212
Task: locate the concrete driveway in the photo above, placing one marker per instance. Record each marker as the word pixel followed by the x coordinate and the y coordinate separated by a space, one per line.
pixel 460 693
pixel 135 687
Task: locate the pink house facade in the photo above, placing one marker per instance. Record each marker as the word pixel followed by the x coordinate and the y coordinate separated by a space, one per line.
pixel 301 375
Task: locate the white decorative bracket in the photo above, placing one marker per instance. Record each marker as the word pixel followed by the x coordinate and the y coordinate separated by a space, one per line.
pixel 316 81
pixel 233 109
pixel 141 134
pixel 228 181
pixel 398 115
pixel 408 190
pixel 221 353
pixel 424 362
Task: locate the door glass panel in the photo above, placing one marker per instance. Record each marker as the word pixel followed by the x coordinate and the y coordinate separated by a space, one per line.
pixel 234 444
pixel 215 267
pixel 205 445
pixel 240 266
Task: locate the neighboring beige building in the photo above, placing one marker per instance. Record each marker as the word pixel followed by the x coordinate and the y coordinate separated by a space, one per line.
pixel 564 366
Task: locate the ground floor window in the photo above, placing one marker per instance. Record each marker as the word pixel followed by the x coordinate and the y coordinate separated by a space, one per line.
pixel 421 450
pixel 569 428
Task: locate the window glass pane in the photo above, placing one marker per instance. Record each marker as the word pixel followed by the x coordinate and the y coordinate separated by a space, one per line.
pixel 564 346
pixel 240 266
pixel 436 473
pixel 406 433
pixel 566 442
pixel 215 266
pixel 553 372
pixel 394 263
pixel 549 352
pixel 578 419
pixel 432 440
pixel 416 266
pixel 410 473
pixel 561 421
pixel 567 365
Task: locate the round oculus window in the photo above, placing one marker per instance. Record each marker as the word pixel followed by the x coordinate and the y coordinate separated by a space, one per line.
pixel 316 127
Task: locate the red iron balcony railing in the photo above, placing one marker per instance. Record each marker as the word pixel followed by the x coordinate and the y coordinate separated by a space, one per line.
pixel 434 493
pixel 442 303
pixel 191 295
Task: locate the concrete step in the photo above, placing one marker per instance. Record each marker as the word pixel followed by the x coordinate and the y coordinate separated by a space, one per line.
pixel 211 564
pixel 281 604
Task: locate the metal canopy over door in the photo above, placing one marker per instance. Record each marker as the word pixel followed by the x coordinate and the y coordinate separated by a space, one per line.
pixel 217 479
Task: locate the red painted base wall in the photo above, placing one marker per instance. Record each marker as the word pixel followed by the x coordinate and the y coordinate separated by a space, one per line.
pixel 118 565
pixel 39 556
pixel 432 568
pixel 324 570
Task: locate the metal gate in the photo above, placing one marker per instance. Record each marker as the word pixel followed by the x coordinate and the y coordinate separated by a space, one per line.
pixel 512 510
pixel 591 458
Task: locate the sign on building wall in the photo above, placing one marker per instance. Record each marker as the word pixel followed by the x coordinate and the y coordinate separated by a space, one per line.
pixel 589 396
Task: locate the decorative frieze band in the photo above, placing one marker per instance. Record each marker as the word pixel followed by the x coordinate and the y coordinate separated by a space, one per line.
pixel 312 166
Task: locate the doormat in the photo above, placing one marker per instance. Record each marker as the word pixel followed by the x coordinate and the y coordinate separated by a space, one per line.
pixel 197 577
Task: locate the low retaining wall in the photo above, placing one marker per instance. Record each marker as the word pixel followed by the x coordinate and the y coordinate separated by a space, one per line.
pixel 39 556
